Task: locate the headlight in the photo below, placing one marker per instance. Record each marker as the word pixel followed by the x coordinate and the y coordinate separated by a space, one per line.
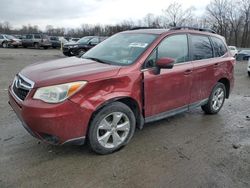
pixel 75 46
pixel 58 93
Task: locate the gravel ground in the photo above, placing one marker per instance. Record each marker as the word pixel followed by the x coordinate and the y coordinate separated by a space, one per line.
pixel 188 150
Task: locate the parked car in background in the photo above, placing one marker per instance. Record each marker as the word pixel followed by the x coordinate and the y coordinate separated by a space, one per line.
pixel 233 50
pixel 63 40
pixel 248 67
pixel 243 55
pixel 132 78
pixel 82 45
pixel 55 42
pixel 4 41
pixel 18 36
pixel 9 41
pixel 36 41
pixel 74 39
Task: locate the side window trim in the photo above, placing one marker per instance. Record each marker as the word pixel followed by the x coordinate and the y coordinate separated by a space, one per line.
pixel 212 44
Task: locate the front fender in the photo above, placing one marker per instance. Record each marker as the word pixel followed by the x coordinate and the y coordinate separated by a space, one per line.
pixel 100 92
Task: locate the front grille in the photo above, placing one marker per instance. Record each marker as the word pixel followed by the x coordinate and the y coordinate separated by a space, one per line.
pixel 21 87
pixel 20 92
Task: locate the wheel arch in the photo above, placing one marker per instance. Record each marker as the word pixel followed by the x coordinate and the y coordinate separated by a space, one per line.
pixel 127 100
pixel 226 83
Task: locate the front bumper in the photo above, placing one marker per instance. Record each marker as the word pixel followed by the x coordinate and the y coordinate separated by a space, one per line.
pixel 71 50
pixel 56 124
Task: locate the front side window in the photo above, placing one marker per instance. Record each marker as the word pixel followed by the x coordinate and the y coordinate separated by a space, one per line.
pixel 29 37
pixel 201 46
pixel 219 47
pixel 121 49
pixel 175 47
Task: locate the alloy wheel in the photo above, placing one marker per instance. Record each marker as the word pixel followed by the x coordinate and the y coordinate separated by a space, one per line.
pixel 113 130
pixel 218 98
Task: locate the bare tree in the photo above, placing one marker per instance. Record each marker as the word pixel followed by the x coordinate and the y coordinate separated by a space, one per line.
pixel 235 19
pixel 245 8
pixel 218 15
pixel 174 15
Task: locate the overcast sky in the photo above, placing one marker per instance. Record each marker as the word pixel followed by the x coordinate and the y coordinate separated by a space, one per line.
pixel 73 13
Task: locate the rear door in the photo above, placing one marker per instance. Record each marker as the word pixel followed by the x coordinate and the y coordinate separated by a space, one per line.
pixel 169 90
pixel 204 65
pixel 28 41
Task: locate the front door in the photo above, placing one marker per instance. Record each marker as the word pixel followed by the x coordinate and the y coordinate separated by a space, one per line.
pixel 169 90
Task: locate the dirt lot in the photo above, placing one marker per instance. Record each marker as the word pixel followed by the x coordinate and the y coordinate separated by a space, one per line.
pixel 188 150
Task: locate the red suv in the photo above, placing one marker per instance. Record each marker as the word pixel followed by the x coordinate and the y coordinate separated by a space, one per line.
pixel 132 78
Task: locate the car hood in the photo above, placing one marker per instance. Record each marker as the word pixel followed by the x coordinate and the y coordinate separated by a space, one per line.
pixel 68 70
pixel 70 43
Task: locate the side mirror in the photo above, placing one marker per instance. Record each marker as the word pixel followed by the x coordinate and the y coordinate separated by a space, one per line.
pixel 165 63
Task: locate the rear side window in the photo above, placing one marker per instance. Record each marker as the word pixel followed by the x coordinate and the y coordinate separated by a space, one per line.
pixel 202 48
pixel 219 47
pixel 1 37
pixel 37 36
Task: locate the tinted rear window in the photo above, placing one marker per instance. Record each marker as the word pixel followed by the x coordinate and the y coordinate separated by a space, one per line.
pixel 201 46
pixel 219 47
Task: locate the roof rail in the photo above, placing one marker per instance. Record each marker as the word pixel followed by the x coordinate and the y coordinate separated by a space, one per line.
pixel 135 28
pixel 193 28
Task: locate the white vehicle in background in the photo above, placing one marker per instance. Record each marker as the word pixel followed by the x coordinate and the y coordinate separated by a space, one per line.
pixel 248 67
pixel 233 50
pixel 63 40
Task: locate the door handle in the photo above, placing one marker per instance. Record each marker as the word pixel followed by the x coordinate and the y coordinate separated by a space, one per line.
pixel 188 71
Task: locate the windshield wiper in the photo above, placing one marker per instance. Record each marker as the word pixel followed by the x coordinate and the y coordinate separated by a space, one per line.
pixel 96 59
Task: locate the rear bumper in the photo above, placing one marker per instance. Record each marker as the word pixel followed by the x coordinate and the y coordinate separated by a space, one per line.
pixel 63 123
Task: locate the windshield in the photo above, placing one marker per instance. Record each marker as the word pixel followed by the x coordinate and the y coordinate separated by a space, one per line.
pixel 245 51
pixel 84 40
pixel 123 48
pixel 10 37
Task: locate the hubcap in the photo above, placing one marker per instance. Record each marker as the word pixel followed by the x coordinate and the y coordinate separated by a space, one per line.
pixel 113 130
pixel 218 99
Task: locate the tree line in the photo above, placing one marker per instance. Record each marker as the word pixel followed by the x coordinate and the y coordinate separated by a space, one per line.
pixel 229 18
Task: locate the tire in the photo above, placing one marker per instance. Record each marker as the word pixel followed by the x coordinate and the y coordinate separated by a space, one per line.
pixel 114 139
pixel 66 54
pixel 216 99
pixel 248 73
pixel 5 45
pixel 36 45
pixel 81 52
